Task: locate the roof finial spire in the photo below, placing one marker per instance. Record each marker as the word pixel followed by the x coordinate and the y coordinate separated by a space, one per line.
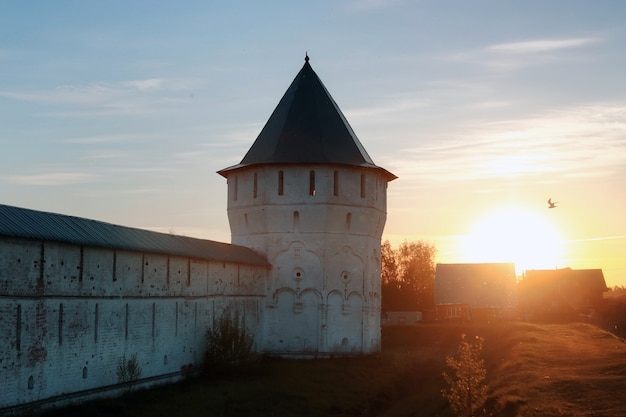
pixel 306 56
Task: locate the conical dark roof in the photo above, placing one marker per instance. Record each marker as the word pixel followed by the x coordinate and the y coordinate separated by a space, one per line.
pixel 307 127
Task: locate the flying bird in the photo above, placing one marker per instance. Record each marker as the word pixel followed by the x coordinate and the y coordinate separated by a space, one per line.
pixel 551 204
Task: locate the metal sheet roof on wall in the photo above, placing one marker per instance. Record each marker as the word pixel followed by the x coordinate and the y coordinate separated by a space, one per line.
pixel 38 225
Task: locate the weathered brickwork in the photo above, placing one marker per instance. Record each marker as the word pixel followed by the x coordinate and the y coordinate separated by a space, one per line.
pixel 69 313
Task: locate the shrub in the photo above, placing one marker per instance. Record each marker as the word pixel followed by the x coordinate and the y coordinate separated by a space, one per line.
pixel 128 371
pixel 229 344
pixel 466 390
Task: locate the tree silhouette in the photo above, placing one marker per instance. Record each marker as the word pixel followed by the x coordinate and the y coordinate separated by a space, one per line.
pixel 408 276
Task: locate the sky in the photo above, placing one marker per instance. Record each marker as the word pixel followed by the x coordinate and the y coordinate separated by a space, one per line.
pixel 123 111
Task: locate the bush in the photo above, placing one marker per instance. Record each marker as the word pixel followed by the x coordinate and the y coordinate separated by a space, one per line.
pixel 229 344
pixel 128 371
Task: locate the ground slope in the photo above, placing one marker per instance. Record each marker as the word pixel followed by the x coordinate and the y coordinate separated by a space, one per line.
pixel 532 370
pixel 558 370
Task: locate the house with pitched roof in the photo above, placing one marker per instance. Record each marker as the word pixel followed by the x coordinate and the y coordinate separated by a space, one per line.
pixel 475 291
pixel 563 293
pixel 306 208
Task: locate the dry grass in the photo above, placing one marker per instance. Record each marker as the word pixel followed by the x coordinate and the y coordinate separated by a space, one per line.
pixel 533 370
pixel 558 370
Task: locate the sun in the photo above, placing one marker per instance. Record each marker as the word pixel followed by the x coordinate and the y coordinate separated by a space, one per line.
pixel 514 235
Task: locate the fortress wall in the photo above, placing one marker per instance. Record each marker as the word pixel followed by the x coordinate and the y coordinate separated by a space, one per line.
pixel 69 313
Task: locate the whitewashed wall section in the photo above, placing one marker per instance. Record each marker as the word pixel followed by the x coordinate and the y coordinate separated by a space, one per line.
pixel 64 326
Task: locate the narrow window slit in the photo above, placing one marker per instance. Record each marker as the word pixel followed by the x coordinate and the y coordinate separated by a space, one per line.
pixel 312 183
pixel 362 185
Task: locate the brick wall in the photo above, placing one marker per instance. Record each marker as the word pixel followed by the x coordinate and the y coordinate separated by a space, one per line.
pixel 69 313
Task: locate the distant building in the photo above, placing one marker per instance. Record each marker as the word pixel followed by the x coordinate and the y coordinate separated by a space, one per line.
pixel 475 291
pixel 561 293
pixel 453 312
pixel 401 318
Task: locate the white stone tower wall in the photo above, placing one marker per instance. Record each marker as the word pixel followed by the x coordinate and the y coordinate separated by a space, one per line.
pixel 321 232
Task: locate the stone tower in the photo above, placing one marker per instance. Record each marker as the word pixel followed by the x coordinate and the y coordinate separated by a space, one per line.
pixel 309 197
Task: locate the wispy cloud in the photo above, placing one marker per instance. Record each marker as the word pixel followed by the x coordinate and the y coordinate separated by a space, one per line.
pixel 106 155
pixel 541 45
pixel 517 55
pixel 146 191
pixel 392 107
pixel 52 179
pixel 373 4
pixel 125 97
pixel 149 170
pixel 555 143
pixel 593 239
pixel 149 84
pixel 105 139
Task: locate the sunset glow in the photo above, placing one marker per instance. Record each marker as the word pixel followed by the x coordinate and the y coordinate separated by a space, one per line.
pixel 514 235
pixel 483 110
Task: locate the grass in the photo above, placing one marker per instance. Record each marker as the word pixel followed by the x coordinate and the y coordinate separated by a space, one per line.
pixel 532 370
pixel 560 370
